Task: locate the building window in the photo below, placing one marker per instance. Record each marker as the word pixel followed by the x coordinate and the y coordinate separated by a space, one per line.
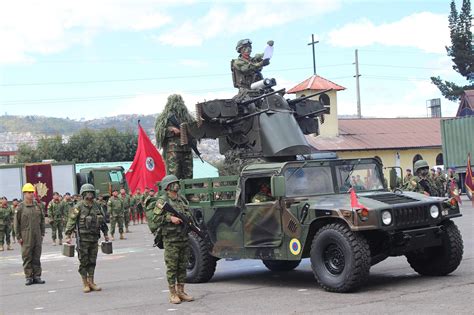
pixel 417 158
pixel 324 99
pixel 378 158
pixel 439 159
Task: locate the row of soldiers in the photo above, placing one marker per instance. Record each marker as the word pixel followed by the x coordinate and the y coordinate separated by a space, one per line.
pixel 433 183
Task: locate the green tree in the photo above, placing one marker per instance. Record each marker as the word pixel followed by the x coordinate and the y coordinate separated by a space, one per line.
pixel 460 51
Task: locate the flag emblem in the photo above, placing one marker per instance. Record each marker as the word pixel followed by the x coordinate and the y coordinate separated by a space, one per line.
pixel 295 247
pixel 150 163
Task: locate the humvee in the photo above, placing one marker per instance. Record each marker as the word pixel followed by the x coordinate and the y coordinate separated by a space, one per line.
pixel 338 213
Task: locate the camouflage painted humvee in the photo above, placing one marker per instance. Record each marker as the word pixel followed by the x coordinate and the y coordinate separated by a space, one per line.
pixel 311 215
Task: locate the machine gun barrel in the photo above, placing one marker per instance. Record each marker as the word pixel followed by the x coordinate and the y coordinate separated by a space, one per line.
pixel 316 112
pixel 250 101
pixel 300 99
pixel 236 120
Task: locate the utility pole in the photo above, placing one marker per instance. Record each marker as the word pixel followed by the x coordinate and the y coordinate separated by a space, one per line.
pixel 313 43
pixel 357 75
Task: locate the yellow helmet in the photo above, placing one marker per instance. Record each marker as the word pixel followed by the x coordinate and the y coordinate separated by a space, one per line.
pixel 28 188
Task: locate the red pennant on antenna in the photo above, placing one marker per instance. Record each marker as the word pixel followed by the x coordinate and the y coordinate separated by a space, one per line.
pixel 354 201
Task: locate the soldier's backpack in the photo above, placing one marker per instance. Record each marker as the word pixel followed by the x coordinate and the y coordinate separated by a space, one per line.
pixel 149 206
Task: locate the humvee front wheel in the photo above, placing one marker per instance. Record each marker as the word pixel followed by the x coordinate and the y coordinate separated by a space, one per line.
pixel 281 265
pixel 202 264
pixel 440 260
pixel 340 258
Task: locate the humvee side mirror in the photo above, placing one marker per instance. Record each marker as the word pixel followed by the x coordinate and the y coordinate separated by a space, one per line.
pixel 278 186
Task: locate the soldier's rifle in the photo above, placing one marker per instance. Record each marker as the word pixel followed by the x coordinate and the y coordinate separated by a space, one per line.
pixel 192 143
pixel 188 223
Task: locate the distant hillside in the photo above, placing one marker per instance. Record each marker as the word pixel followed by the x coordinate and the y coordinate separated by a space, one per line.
pixel 63 126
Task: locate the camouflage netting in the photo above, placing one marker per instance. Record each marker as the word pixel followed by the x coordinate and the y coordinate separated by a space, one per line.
pixel 175 105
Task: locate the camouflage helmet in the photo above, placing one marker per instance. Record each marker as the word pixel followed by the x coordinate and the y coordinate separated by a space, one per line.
pixel 241 43
pixel 420 164
pixel 167 180
pixel 87 188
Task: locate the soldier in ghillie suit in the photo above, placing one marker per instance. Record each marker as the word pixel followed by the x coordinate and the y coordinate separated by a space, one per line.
pixel 88 220
pixel 422 182
pixel 175 237
pixel 178 157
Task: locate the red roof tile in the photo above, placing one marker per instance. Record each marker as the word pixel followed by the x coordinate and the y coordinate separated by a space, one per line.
pixel 315 82
pixel 381 133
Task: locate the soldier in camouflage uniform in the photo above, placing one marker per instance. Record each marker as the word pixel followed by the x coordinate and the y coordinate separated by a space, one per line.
pixel 56 218
pixel 422 182
pixel 30 229
pixel 90 220
pixel 440 181
pixel 126 208
pixel 178 157
pixel 115 208
pixel 134 200
pixel 6 218
pixel 245 69
pixel 264 194
pixel 407 178
pixel 175 238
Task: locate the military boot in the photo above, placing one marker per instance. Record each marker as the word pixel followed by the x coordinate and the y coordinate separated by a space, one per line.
pixel 183 296
pixel 9 247
pixel 1 248
pixel 92 285
pixel 29 281
pixel 122 237
pixel 38 280
pixel 86 288
pixel 60 241
pixel 174 298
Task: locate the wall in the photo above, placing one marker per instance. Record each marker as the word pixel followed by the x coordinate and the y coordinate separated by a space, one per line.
pixel 389 156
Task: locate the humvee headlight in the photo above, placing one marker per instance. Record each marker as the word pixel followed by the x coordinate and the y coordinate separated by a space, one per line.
pixel 386 218
pixel 434 211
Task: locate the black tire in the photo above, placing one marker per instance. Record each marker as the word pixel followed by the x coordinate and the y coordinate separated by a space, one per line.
pixel 340 258
pixel 202 264
pixel 440 260
pixel 281 265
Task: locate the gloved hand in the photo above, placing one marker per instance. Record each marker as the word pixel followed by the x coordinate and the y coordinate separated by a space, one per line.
pixel 265 62
pixel 270 43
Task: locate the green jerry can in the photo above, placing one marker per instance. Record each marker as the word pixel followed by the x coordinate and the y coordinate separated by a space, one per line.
pixel 68 250
pixel 106 247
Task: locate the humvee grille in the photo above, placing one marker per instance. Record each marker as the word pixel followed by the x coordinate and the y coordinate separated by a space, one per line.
pixel 292 226
pixel 391 199
pixel 411 216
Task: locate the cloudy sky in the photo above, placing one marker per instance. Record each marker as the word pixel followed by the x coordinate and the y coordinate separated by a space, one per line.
pixel 97 58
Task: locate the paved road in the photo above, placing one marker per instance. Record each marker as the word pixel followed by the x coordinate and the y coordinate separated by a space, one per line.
pixel 133 282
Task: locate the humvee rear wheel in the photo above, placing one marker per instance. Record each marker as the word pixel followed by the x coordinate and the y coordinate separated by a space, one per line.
pixel 281 265
pixel 201 264
pixel 440 260
pixel 340 258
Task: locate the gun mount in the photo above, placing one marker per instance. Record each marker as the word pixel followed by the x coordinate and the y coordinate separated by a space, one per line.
pixel 266 126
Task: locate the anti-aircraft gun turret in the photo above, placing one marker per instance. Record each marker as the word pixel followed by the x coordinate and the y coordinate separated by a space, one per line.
pixel 261 125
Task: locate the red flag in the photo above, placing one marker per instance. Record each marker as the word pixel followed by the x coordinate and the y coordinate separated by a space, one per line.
pixel 354 201
pixel 148 167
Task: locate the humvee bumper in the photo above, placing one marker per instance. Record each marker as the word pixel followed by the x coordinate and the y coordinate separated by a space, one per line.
pixel 410 240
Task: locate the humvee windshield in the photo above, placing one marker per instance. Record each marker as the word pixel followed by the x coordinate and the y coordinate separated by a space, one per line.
pixel 308 181
pixel 364 177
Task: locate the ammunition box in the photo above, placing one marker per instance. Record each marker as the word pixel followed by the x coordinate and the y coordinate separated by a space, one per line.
pixel 68 250
pixel 106 247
